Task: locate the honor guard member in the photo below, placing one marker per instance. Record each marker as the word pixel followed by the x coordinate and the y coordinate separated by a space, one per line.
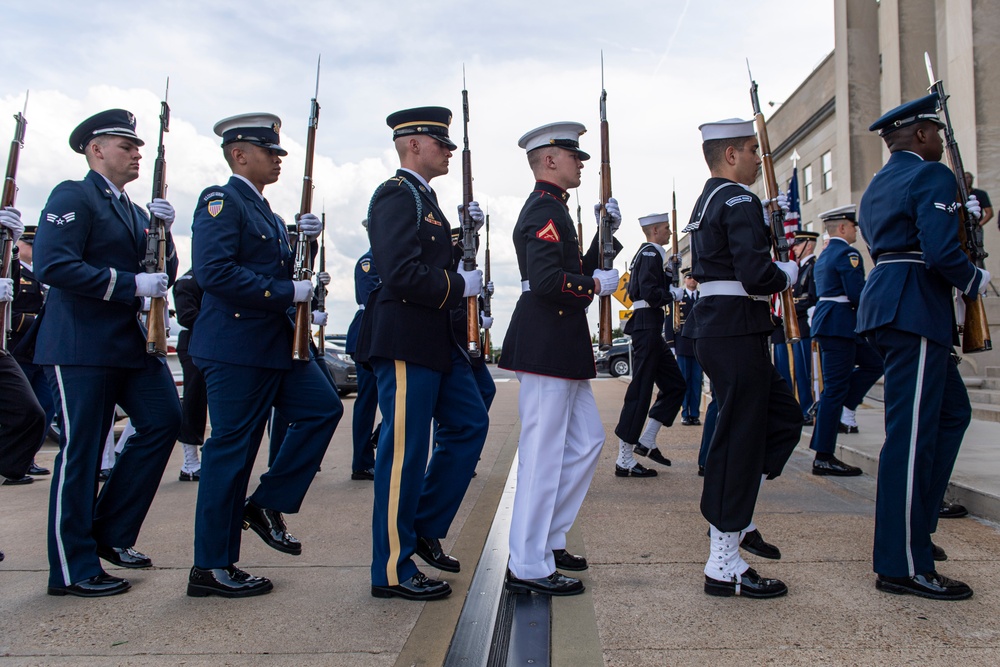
pixel 759 421
pixel 686 360
pixel 548 345
pixel 653 362
pixel 242 341
pixel 363 430
pixel 850 365
pixel 89 249
pixel 909 218
pixel 194 406
pixel 804 293
pixel 420 369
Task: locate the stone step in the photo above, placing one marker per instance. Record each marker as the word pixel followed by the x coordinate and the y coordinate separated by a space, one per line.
pixel 988 383
pixel 984 396
pixel 993 371
pixel 986 412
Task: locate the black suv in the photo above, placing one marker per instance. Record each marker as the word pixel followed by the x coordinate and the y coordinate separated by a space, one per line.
pixel 616 360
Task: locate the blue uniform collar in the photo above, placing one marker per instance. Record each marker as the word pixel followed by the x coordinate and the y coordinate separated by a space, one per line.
pixel 253 188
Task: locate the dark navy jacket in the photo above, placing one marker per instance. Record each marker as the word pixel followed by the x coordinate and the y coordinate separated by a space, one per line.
pixel 88 249
pixel 365 281
pixel 650 282
pixel 839 271
pixel 910 207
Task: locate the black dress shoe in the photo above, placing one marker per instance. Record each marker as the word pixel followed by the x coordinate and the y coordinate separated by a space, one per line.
pixel 1 556
pixel 270 525
pixel 635 471
pixel 570 562
pixel 844 428
pixel 189 476
pixel 364 474
pixel 429 548
pixel 124 557
pixel 931 585
pixel 695 421
pixel 227 582
pixel 835 467
pixel 750 585
pixel 554 584
pixel 755 544
pixel 687 421
pixel 418 587
pixel 701 471
pixel 17 481
pixel 952 511
pixel 98 586
pixel 938 553
pixel 36 469
pixel 653 453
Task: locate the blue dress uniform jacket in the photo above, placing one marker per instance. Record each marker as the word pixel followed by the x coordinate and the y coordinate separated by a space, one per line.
pixel 366 402
pixel 840 271
pixel 560 290
pixel 365 281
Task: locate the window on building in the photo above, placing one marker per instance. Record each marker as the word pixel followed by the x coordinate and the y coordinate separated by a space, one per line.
pixel 826 163
pixel 807 183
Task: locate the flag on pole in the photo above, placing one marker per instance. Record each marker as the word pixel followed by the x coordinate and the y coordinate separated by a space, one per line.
pixel 793 222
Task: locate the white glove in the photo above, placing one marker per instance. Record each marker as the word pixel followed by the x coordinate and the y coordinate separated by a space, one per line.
pixel 809 315
pixel 475 213
pixel 6 290
pixel 608 280
pixel 973 207
pixel 162 209
pixel 985 282
pixel 151 284
pixel 487 321
pixel 309 225
pixel 323 277
pixel 613 211
pixel 489 288
pixel 678 293
pixel 473 281
pixel 790 269
pixel 10 218
pixel 303 291
pixel 319 318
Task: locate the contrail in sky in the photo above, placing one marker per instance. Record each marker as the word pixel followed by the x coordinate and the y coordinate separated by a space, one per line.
pixel 677 28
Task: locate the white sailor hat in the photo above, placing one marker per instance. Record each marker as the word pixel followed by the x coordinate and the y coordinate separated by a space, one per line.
pixel 730 128
pixel 848 213
pixel 256 128
pixel 563 134
pixel 654 218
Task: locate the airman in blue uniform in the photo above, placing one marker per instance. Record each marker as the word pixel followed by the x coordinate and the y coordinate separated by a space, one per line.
pixel 909 218
pixel 242 343
pixel 686 360
pixel 89 249
pixel 363 430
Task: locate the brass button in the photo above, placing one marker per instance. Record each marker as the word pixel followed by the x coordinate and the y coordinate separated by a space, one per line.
pixel 569 284
pixel 267 294
pixel 560 312
pixel 590 291
pixel 579 287
pixel 432 237
pixel 237 315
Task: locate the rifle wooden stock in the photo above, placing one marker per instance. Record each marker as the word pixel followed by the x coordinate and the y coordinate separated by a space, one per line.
pixel 6 238
pixel 605 235
pixel 156 244
pixel 469 236
pixel 975 328
pixel 303 251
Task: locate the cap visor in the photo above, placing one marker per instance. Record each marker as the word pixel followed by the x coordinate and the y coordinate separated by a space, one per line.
pixel 444 140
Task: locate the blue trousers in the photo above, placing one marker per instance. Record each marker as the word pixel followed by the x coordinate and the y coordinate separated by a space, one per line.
pixel 80 519
pixel 927 411
pixel 240 399
pixel 363 424
pixel 691 370
pixel 278 425
pixel 850 368
pixel 413 498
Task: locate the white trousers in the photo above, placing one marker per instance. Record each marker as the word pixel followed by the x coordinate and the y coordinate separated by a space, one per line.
pixel 561 439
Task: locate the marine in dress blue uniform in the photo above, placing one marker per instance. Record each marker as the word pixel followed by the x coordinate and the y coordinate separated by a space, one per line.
pixel 422 375
pixel 366 402
pixel 653 362
pixel 686 359
pixel 89 249
pixel 909 218
pixel 242 343
pixel 850 365
pixel 548 345
pixel 759 419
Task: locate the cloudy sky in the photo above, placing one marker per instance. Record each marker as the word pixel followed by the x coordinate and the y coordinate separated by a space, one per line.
pixel 668 66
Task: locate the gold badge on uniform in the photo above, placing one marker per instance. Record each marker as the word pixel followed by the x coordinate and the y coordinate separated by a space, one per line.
pixel 366 265
pixel 215 207
pixel 430 218
pixel 855 260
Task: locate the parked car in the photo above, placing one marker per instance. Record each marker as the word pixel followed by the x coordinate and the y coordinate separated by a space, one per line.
pixel 617 360
pixel 340 364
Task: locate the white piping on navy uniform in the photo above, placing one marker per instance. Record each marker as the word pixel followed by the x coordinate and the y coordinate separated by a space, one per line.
pixel 67 433
pixel 111 285
pixel 912 455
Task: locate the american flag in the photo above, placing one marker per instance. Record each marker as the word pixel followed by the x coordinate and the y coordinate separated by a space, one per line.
pixel 792 218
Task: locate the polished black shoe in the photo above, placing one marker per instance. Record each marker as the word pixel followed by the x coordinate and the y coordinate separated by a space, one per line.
pixel 844 428
pixel 931 585
pixel 687 421
pixel 418 587
pixel 952 511
pixel 554 584
pixel 17 481
pixel 124 557
pixel 99 586
pixel 938 553
pixel 364 474
pixel 1 556
pixel 835 467
pixel 270 525
pixel 36 469
pixel 189 476
pixel 569 562
pixel 429 548
pixel 653 453
pixel 635 471
pixel 701 471
pixel 755 544
pixel 227 582
pixel 750 585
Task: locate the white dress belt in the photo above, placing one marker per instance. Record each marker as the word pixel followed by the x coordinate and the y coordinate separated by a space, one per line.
pixel 727 288
pixel 636 305
pixel 839 299
pixel 525 286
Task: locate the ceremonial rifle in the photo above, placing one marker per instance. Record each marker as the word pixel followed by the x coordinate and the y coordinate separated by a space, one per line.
pixel 155 260
pixel 779 244
pixel 487 297
pixel 321 290
pixel 675 260
pixel 303 251
pixel 605 240
pixel 469 236
pixel 6 237
pixel 975 330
